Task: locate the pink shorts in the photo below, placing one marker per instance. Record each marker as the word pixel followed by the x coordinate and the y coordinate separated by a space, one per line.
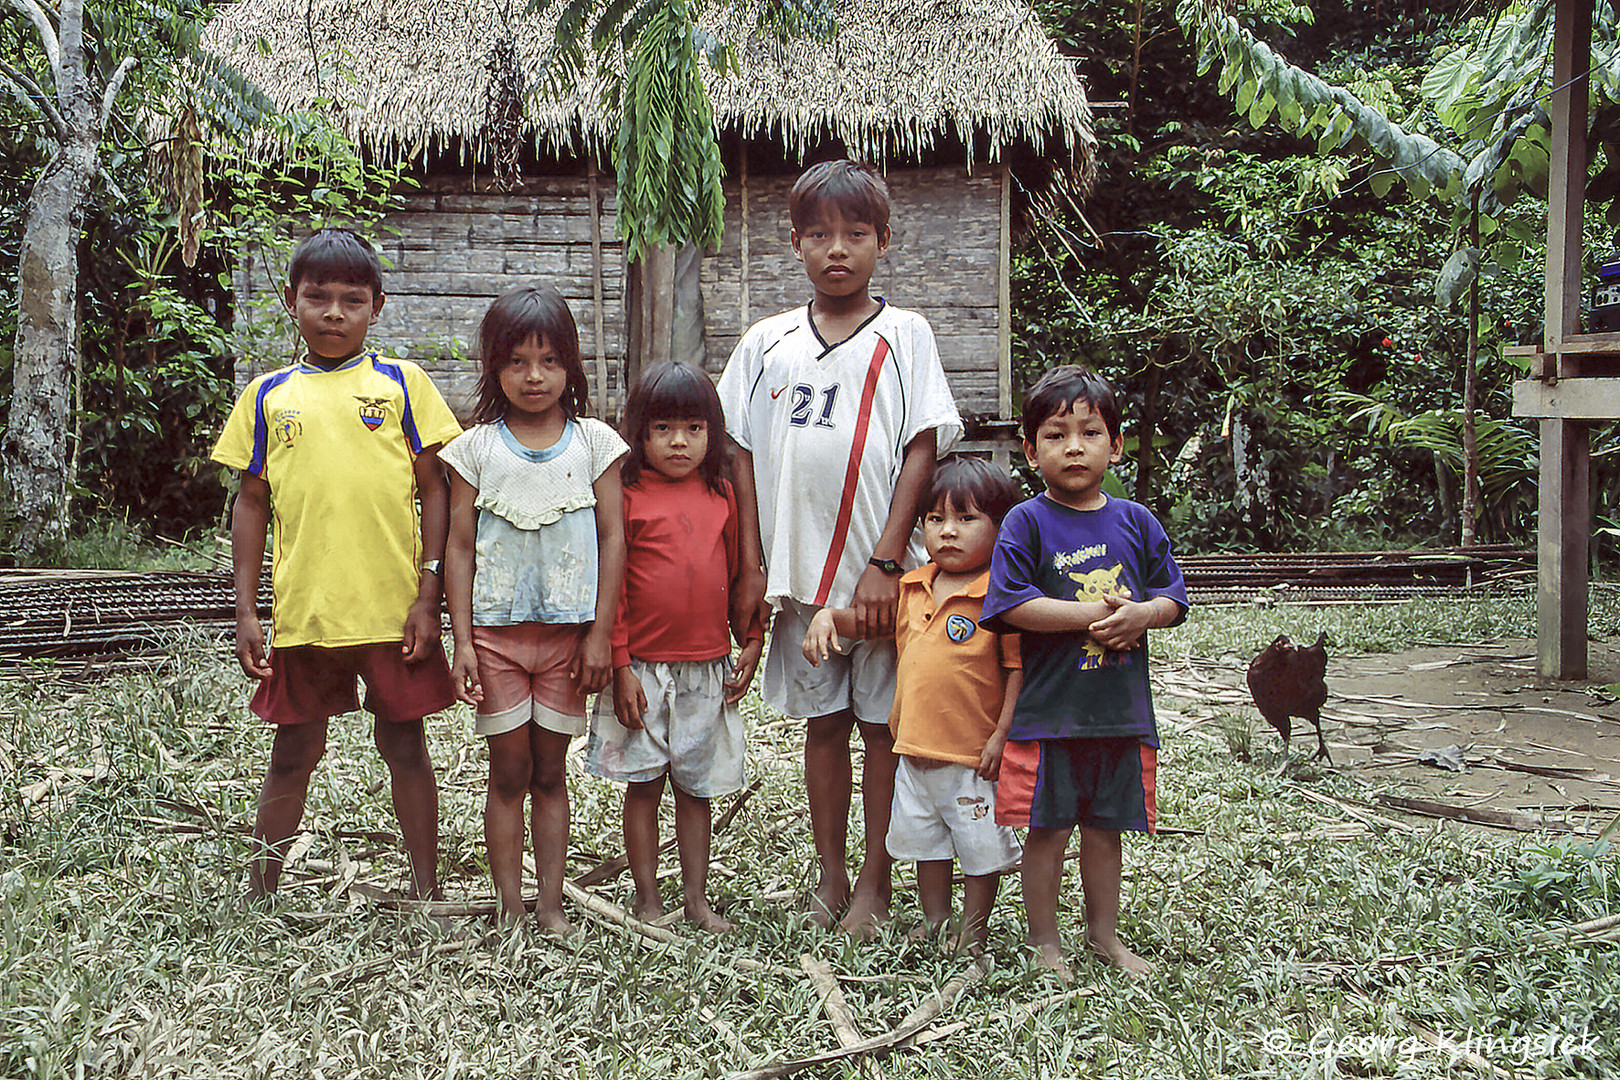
pixel 314 682
pixel 524 672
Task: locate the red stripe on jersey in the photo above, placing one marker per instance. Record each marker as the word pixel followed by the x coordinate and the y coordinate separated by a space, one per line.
pixel 846 504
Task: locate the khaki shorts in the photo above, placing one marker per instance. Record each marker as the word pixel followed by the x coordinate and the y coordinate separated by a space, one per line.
pixel 949 812
pixel 689 731
pixel 860 680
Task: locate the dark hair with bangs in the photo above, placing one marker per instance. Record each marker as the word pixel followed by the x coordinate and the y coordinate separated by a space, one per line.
pixel 1060 388
pixel 963 481
pixel 335 255
pixel 856 190
pixel 538 312
pixel 674 391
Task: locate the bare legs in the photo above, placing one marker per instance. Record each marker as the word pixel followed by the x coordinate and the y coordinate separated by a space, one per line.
pixel 829 781
pixel 1100 862
pixel 528 761
pixel 692 840
pixel 296 751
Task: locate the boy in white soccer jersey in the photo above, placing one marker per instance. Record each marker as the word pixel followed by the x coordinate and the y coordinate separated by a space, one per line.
pixel 838 410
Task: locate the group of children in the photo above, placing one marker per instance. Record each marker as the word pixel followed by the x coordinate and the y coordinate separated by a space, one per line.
pixel 998 677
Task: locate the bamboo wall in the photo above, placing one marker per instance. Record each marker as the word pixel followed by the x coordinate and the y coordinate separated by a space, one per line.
pixel 452 251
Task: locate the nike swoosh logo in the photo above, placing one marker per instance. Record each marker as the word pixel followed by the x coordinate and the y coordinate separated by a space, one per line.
pixel 778 391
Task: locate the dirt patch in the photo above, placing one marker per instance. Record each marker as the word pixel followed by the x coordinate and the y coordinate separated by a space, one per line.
pixel 1524 743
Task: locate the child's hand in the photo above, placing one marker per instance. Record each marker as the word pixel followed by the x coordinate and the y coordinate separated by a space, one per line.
pixel 250 647
pixel 629 699
pixel 593 663
pixel 1123 627
pixel 422 631
pixel 464 674
pixel 821 640
pixel 742 671
pixel 990 756
pixel 876 595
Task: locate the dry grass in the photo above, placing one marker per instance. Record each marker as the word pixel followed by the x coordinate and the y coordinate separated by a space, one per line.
pixel 1291 939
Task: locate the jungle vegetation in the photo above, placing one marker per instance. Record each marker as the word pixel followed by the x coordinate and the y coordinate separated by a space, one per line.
pixel 1264 295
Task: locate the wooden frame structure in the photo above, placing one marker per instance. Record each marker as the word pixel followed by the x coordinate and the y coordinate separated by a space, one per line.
pixel 1572 384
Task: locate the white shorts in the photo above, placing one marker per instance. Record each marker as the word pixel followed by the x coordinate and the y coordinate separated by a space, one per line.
pixel 690 732
pixel 946 812
pixel 861 679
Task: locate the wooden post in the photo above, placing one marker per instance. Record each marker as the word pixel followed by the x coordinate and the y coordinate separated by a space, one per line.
pixel 603 401
pixel 742 233
pixel 1004 303
pixel 1564 519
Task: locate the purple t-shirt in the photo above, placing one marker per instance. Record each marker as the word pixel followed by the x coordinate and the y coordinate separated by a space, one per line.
pixel 1073 687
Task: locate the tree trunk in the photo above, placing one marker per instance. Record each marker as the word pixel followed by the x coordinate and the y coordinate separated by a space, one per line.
pixel 1470 492
pixel 34 447
pixel 34 471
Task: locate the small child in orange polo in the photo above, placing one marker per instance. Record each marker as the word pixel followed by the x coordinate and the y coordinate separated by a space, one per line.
pixel 955 688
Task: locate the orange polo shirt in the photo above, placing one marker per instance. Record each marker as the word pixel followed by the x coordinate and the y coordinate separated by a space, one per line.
pixel 951 678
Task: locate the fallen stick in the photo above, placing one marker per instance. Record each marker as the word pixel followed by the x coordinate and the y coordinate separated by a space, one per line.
pixel 1605 928
pixel 1019 1010
pixel 1499 819
pixel 1440 1042
pixel 371 968
pixel 1355 811
pixel 609 869
pixel 606 911
pixel 919 1018
pixel 834 1005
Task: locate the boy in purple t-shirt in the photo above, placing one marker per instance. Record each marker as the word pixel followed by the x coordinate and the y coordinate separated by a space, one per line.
pixel 1082 576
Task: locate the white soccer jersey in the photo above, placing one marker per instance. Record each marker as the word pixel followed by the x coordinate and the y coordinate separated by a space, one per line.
pixel 828 425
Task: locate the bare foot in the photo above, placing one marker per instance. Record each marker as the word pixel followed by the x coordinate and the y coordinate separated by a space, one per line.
pixel 649 911
pixel 555 924
pixel 926 932
pixel 864 917
pixel 825 902
pixel 1049 957
pixel 705 918
pixel 1114 952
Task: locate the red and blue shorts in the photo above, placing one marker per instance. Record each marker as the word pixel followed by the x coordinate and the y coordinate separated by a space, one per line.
pixel 1094 783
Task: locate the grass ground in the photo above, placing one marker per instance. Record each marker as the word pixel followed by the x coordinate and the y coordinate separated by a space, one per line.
pixel 1292 937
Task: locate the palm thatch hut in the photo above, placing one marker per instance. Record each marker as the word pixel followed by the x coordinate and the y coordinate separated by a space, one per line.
pixel 950 97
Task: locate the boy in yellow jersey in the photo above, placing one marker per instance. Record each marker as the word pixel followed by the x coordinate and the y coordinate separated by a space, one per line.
pixel 337 449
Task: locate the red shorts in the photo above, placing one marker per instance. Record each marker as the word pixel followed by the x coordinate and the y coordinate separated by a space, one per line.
pixel 313 682
pixel 1094 783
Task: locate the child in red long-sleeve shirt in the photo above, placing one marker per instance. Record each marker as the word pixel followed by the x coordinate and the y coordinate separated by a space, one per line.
pixel 673 710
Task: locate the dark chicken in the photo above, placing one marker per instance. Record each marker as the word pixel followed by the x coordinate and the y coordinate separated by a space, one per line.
pixel 1287 681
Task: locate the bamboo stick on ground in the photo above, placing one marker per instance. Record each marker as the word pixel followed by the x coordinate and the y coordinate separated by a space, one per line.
pixel 919 1018
pixel 834 1005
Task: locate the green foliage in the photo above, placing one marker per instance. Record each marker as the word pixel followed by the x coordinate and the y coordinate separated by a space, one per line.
pixel 1277 927
pixel 666 150
pixel 667 154
pixel 318 178
pixel 1570 879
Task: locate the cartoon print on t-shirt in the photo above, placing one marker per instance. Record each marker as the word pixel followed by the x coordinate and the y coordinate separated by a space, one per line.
pixel 1094 585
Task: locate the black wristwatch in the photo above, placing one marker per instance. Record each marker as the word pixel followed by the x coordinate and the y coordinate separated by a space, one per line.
pixel 888 566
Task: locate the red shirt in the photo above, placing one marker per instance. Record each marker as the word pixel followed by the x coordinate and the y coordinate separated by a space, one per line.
pixel 680 560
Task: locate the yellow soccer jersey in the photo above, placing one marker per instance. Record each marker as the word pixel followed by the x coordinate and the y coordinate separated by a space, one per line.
pixel 338 449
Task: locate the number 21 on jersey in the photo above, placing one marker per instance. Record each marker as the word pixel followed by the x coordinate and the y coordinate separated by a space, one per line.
pixel 804 406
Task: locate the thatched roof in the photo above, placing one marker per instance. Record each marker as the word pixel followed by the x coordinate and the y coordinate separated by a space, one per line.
pixel 410 75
